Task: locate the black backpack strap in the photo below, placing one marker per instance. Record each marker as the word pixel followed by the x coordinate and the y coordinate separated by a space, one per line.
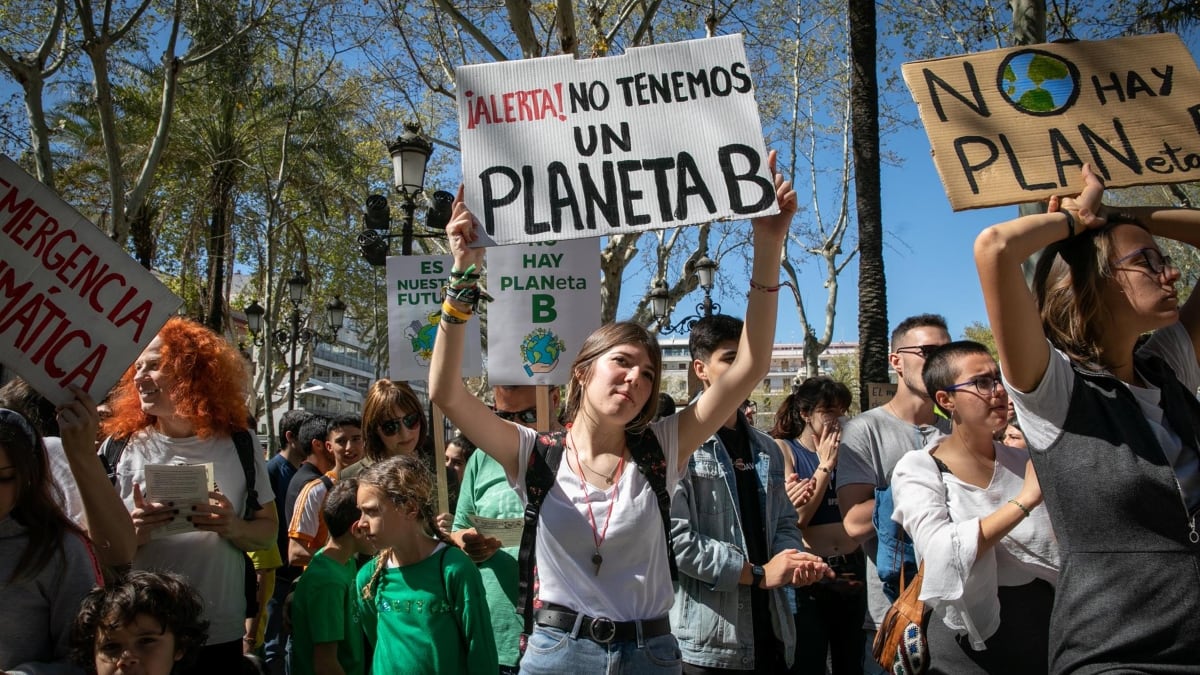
pixel 539 478
pixel 647 453
pixel 244 442
pixel 110 453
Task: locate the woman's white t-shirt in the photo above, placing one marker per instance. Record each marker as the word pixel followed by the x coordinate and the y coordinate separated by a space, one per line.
pixel 212 565
pixel 635 579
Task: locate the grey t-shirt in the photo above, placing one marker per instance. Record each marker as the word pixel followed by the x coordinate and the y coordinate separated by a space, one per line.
pixel 872 443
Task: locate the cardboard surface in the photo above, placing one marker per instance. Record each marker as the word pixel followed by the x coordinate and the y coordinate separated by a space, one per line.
pixel 414 301
pixel 1015 125
pixel 75 308
pixel 558 148
pixel 547 303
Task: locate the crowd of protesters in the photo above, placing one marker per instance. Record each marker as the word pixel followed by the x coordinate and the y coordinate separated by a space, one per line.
pixel 1056 533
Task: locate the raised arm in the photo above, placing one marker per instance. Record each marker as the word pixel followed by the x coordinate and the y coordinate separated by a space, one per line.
pixel 701 419
pixel 1011 306
pixel 499 438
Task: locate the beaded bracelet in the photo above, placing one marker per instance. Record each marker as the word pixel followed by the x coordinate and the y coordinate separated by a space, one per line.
pixel 1021 506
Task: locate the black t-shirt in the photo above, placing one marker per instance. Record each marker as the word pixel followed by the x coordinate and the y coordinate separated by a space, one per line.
pixel 306 474
pixel 737 444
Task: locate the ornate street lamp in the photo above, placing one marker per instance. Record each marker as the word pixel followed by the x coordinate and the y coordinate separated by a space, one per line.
pixel 705 270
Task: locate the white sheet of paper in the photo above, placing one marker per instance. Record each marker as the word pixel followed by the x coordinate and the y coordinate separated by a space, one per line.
pixel 507 530
pixel 183 484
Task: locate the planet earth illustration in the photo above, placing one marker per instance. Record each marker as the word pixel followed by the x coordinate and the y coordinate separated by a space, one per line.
pixel 1039 83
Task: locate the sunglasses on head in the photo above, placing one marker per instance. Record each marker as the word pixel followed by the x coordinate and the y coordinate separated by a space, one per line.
pixel 923 351
pixel 526 416
pixel 392 427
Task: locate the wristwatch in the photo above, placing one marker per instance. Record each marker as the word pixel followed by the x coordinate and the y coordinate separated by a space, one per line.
pixel 758 574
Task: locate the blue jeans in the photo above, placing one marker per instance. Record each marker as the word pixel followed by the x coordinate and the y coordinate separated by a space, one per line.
pixel 551 651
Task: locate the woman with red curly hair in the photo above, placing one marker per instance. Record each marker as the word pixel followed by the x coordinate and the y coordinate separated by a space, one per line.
pixel 180 403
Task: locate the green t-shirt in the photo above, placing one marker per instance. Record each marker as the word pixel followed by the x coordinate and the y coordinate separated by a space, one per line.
pixel 485 492
pixel 431 616
pixel 324 610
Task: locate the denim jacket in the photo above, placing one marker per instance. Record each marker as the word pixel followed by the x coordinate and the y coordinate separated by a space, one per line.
pixel 711 616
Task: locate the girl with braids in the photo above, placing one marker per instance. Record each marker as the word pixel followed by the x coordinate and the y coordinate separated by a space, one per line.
pixel 46 564
pixel 421 600
pixel 1112 423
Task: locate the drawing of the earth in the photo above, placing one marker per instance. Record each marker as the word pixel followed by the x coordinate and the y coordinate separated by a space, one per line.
pixel 1039 83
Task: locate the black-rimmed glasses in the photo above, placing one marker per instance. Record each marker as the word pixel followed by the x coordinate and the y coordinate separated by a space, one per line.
pixel 1152 260
pixel 985 385
pixel 526 416
pixel 392 427
pixel 923 351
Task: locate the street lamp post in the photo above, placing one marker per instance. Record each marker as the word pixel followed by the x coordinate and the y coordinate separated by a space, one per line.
pixel 410 156
pixel 295 334
pixel 660 299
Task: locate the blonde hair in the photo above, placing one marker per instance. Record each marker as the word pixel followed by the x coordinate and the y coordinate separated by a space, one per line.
pixel 408 484
pixel 1069 283
pixel 599 342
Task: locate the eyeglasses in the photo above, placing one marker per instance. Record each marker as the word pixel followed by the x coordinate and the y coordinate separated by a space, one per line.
pixel 526 416
pixel 984 384
pixel 1152 260
pixel 923 351
pixel 392 427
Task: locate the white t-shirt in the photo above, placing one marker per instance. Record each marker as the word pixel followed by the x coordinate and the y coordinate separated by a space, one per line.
pixel 942 514
pixel 1043 411
pixel 635 578
pixel 60 471
pixel 212 565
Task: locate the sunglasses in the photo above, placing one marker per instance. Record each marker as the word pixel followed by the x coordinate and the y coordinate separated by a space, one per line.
pixel 527 416
pixel 923 351
pixel 392 427
pixel 1152 260
pixel 984 384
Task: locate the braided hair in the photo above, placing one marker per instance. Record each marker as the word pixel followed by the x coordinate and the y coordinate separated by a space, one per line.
pixel 408 484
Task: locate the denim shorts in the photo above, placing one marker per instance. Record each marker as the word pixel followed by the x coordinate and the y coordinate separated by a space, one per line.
pixel 551 651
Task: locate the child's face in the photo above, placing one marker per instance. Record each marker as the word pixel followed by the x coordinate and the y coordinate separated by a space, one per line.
pixel 382 522
pixel 142 647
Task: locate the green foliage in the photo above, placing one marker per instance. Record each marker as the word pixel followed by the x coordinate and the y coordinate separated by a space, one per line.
pixel 980 332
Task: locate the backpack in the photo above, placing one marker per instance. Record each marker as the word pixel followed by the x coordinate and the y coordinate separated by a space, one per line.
pixel 543 466
pixel 113 448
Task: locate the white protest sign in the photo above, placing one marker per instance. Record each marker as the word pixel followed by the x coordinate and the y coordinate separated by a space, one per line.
pixel 547 301
pixel 75 309
pixel 414 297
pixel 559 148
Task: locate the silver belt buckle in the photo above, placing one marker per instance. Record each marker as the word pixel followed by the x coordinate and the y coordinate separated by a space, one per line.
pixel 607 631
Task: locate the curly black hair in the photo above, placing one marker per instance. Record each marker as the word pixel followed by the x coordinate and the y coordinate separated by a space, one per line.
pixel 162 595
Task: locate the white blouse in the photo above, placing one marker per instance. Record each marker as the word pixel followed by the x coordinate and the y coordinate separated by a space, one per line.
pixel 941 513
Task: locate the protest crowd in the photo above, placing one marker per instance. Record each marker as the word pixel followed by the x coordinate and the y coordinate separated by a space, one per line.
pixel 1031 513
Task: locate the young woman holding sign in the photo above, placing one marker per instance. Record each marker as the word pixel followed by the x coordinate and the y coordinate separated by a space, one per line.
pixel 603 562
pixel 1112 424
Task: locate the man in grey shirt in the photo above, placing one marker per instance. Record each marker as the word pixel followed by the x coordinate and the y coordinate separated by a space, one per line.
pixel 874 441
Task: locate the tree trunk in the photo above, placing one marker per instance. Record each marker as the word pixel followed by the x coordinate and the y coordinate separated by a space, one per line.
pixel 864 111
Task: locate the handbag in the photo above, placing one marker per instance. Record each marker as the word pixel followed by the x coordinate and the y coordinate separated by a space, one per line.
pixel 900 645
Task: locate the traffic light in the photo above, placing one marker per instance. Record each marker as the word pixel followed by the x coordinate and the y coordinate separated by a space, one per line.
pixel 374 247
pixel 378 216
pixel 441 205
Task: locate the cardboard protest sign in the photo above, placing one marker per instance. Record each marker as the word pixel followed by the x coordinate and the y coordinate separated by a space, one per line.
pixel 547 301
pixel 75 309
pixel 1015 125
pixel 414 299
pixel 558 148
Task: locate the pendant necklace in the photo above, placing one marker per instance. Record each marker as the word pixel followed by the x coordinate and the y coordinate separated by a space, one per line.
pixel 597 536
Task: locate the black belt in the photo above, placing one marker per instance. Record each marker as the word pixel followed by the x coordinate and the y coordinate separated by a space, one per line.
pixel 600 629
pixel 850 558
